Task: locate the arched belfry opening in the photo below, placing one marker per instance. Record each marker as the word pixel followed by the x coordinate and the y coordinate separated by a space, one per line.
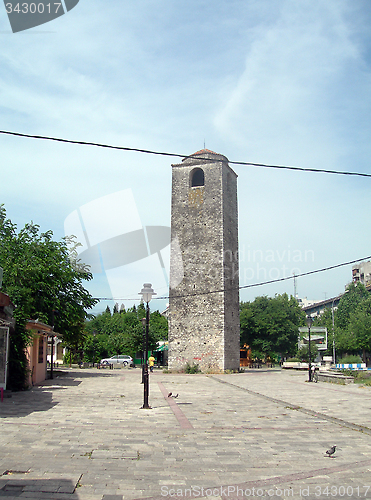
pixel 197 177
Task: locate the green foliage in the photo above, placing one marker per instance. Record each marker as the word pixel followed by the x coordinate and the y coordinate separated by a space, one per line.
pixel 44 283
pixel 192 368
pixel 350 359
pixel 303 352
pixel 107 335
pixel 360 325
pixel 158 326
pixel 257 355
pixel 360 376
pixel 353 321
pixel 355 293
pixel 270 325
pixel 347 371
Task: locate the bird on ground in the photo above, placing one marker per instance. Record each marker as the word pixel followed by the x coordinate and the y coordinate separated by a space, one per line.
pixel 331 451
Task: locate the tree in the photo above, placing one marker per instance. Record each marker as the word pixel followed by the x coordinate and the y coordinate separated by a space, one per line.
pixel 108 335
pixel 270 325
pixel 354 294
pixel 43 282
pixel 345 338
pixel 360 326
pixel 303 352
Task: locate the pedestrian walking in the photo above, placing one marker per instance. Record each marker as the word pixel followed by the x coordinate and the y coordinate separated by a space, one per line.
pixel 151 362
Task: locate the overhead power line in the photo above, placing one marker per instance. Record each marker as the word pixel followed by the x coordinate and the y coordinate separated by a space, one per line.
pixel 248 286
pixel 176 155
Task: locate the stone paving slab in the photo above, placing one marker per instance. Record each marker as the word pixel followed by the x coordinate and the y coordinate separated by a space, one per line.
pixel 247 435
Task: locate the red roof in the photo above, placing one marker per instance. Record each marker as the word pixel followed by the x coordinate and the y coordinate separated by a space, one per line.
pixel 203 151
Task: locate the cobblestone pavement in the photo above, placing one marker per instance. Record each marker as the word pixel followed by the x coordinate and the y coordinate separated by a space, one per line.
pixel 83 436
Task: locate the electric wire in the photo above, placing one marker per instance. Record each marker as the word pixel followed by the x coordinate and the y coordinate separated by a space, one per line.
pixel 264 165
pixel 209 292
pixel 176 155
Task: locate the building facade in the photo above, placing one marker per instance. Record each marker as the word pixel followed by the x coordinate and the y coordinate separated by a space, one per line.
pixel 204 325
pixel 7 324
pixel 36 351
pixel 361 272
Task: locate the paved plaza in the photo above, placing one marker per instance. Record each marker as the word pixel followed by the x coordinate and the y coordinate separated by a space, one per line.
pixel 83 436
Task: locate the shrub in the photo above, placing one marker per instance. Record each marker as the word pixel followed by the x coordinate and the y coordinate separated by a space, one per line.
pixel 192 368
pixel 350 359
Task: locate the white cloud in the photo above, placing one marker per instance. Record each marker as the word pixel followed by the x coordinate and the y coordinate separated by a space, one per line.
pixel 274 82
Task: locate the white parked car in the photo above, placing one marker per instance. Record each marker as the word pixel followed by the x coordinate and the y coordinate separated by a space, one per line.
pixel 120 359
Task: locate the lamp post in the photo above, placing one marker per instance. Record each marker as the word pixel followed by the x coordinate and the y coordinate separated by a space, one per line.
pixel 144 322
pixel 333 335
pixel 146 293
pixel 309 323
pixel 94 334
pixel 51 354
pixel 52 346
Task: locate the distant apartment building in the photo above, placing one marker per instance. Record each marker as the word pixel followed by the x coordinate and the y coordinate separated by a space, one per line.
pixel 305 302
pixel 361 272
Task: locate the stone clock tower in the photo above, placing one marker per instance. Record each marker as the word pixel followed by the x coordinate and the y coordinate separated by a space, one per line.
pixel 204 325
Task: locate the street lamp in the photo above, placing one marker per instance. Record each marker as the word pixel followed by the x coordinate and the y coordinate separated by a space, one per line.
pixel 309 323
pixel 146 293
pixel 333 334
pixel 94 334
pixel 52 344
pixel 144 322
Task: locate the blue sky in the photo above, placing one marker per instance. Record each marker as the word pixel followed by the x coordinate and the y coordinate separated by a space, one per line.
pixel 272 82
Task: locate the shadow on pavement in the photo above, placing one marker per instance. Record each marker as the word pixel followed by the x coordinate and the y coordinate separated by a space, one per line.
pixel 90 373
pixel 24 403
pixel 37 488
pixel 40 397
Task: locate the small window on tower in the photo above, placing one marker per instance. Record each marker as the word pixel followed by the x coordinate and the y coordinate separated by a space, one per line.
pixel 198 177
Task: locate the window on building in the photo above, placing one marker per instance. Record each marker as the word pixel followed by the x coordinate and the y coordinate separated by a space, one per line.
pixel 198 177
pixel 41 349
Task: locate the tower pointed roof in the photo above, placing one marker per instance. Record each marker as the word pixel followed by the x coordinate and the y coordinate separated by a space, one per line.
pixel 203 155
pixel 204 151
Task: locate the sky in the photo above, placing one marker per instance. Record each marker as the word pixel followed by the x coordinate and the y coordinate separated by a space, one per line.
pixel 283 83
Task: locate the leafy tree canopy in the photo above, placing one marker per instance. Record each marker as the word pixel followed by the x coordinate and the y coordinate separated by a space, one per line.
pixel 351 320
pixel 42 282
pixel 122 333
pixel 355 293
pixel 270 324
pixel 360 325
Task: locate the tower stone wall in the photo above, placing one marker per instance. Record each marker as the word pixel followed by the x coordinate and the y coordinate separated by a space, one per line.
pixel 204 326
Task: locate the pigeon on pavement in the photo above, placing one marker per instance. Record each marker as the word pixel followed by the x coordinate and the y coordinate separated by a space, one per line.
pixel 331 451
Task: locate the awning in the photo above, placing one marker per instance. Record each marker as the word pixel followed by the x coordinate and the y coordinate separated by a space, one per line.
pixel 163 347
